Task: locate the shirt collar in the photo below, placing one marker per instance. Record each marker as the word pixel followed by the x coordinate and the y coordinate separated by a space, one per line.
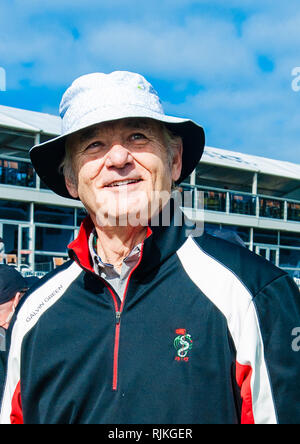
pixel 97 261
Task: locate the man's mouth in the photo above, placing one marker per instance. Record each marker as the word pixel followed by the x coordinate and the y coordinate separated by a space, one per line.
pixel 122 183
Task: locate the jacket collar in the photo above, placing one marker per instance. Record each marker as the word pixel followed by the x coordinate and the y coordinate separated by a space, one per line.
pixel 79 248
pixel 165 235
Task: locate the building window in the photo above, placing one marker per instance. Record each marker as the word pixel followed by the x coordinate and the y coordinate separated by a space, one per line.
pixel 265 236
pixel 241 232
pixel 271 208
pixel 214 201
pixel 14 172
pixel 211 228
pixel 54 215
pixel 289 258
pixel 13 210
pixel 242 204
pixel 53 239
pixel 45 263
pixel 290 239
pixel 293 211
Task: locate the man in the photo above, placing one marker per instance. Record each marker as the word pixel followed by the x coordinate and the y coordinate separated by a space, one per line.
pixel 12 287
pixel 145 324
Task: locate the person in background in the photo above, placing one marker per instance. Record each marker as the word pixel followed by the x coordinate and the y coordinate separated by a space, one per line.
pixel 31 280
pixel 12 288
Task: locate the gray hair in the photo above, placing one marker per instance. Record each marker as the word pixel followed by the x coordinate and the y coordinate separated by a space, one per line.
pixel 172 144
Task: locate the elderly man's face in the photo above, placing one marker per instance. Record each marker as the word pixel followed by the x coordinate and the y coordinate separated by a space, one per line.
pixel 121 168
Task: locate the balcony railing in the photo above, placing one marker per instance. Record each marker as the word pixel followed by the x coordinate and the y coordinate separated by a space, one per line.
pixel 236 202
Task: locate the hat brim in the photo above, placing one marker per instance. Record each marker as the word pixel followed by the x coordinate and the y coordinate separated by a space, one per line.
pixel 48 156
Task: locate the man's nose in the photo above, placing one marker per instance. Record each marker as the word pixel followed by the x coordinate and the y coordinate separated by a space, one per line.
pixel 118 156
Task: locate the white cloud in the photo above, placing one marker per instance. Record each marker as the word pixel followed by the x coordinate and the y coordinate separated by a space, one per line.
pixel 242 107
pixel 197 50
pixel 256 121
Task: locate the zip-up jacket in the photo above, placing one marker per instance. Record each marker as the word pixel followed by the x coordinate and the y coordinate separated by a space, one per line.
pixel 204 334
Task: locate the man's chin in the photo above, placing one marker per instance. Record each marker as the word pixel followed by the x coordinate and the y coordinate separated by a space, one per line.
pixel 131 217
pixel 133 209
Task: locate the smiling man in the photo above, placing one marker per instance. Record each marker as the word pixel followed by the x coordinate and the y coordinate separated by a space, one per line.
pixel 145 324
pixel 120 170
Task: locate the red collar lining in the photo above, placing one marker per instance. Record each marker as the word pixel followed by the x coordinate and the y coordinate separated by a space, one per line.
pixel 80 246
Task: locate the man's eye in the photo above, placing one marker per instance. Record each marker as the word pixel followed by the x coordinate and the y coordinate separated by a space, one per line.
pixel 93 146
pixel 138 136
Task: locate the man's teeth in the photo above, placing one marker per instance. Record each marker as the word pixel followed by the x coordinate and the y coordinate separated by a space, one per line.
pixel 122 182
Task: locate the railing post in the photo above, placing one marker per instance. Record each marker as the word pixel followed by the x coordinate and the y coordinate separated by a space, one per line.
pixel 195 200
pixel 37 139
pixel 227 202
pixel 257 206
pixel 254 183
pixel 251 246
pixel 285 211
pixel 32 238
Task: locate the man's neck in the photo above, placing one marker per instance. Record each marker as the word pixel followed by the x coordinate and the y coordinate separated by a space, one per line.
pixel 114 244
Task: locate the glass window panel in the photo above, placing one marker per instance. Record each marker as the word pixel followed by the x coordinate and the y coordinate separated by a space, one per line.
pixel 289 238
pixel 14 210
pixel 265 236
pixel 17 173
pixel 273 256
pixel 54 215
pixel 263 252
pixel 231 233
pixel 211 228
pixel 46 263
pixel 289 258
pixel 187 196
pixel 81 215
pixel 242 232
pixel 242 204
pixel 43 263
pixel 271 208
pixel 214 201
pixel 293 211
pixel 10 238
pixel 53 239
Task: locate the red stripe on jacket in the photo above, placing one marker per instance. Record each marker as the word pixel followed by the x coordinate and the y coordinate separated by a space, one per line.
pixel 243 377
pixel 16 416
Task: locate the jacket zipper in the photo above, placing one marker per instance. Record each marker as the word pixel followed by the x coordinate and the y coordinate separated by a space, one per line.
pixel 118 313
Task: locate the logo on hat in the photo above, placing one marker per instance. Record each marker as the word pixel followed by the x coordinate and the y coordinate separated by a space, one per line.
pixel 183 344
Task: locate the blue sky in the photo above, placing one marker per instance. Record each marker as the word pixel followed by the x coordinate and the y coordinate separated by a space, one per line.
pixel 226 64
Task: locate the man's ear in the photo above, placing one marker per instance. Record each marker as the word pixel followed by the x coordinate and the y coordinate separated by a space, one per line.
pixel 177 162
pixel 71 187
pixel 17 298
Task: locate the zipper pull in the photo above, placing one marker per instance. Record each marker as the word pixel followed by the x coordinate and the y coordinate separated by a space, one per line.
pixel 118 316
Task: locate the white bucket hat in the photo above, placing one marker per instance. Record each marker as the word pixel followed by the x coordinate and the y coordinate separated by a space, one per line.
pixel 96 98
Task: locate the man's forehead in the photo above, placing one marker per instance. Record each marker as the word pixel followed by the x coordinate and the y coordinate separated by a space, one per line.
pixel 137 123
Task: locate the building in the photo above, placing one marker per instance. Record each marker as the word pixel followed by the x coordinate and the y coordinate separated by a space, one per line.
pixel 255 198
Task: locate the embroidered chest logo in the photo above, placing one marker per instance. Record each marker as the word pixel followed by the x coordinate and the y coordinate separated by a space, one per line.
pixel 183 344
